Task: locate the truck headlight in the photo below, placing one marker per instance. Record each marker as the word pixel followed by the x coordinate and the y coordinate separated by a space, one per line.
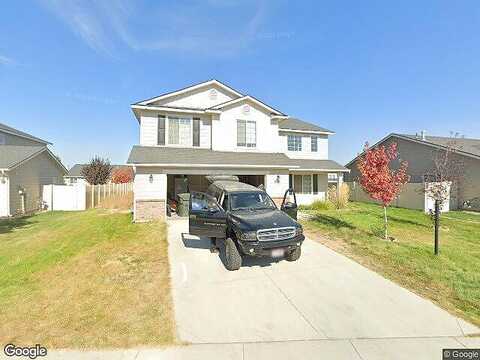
pixel 299 231
pixel 249 236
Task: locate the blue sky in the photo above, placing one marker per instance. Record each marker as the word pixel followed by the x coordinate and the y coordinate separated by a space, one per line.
pixel 70 69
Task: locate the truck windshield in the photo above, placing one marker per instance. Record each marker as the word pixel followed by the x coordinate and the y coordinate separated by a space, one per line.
pixel 251 201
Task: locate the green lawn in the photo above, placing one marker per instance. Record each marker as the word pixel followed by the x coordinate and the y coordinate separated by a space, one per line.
pixel 89 279
pixel 451 279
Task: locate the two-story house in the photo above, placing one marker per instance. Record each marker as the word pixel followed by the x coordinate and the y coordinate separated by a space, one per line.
pixel 211 128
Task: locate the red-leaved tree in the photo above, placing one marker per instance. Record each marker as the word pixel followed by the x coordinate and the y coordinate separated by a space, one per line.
pixel 378 179
pixel 122 175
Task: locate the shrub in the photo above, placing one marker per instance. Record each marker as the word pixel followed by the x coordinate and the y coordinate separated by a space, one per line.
pixel 316 205
pixel 97 171
pixel 122 175
pixel 339 200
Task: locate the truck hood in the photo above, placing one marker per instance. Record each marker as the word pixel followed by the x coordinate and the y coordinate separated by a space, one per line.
pixel 255 220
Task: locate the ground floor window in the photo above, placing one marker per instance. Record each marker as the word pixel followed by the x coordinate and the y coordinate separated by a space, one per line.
pixel 304 184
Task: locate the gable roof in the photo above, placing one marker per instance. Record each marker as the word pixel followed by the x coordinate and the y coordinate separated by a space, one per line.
pixel 466 147
pixel 9 130
pixel 246 98
pixel 292 123
pixel 12 156
pixel 76 170
pixel 189 88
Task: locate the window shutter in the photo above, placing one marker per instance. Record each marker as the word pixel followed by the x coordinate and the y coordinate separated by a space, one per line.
pixel 315 183
pixel 290 181
pixel 196 132
pixel 161 130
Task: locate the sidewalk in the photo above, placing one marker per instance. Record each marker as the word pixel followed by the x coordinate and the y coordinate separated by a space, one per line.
pixel 341 349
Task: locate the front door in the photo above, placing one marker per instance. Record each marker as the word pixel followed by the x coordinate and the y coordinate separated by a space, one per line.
pixel 206 217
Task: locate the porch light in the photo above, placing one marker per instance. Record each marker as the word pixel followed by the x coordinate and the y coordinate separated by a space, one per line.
pixel 150 178
pixel 277 179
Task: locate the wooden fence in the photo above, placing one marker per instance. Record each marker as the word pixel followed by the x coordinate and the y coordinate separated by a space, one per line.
pixel 96 194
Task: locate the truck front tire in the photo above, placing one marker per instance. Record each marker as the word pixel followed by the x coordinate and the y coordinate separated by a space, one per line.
pixel 233 259
pixel 294 255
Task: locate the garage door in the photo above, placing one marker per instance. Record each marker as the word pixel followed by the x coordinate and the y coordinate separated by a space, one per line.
pixel 3 197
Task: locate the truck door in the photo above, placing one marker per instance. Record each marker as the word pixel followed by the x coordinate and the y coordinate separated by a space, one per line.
pixel 206 217
pixel 290 208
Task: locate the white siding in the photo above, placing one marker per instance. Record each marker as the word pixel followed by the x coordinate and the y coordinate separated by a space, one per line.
pixel 148 129
pixel 276 185
pixel 4 197
pixel 31 176
pixel 224 130
pixel 146 190
pixel 306 153
pixel 199 98
pixel 205 132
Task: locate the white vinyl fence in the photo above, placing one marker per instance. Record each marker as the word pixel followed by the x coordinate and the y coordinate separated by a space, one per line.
pixel 412 196
pixel 81 196
pixel 65 197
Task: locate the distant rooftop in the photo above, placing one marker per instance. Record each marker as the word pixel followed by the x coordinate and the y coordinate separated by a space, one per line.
pixel 471 146
pixel 297 124
pixel 76 170
pixel 10 130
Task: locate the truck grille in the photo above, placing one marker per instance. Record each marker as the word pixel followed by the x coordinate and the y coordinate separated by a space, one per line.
pixel 276 234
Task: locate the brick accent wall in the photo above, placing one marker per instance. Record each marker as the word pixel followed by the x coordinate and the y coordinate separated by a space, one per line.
pixel 147 210
pixel 278 201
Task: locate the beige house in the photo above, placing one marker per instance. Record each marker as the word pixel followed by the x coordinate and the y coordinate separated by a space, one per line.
pixel 420 151
pixel 26 164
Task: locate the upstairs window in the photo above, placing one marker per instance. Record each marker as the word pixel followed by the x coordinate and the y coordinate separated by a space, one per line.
pixel 246 133
pixel 196 132
pixel 314 144
pixel 179 131
pixel 161 130
pixel 294 143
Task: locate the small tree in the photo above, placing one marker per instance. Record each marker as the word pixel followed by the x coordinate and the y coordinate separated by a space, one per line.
pixel 378 180
pixel 98 171
pixel 122 175
pixel 443 181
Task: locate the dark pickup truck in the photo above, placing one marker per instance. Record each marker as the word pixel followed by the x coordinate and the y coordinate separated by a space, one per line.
pixel 247 220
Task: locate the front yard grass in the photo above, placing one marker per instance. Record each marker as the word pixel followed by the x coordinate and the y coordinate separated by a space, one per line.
pixel 88 279
pixel 452 279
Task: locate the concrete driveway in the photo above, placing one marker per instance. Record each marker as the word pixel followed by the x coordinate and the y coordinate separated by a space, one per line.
pixel 324 300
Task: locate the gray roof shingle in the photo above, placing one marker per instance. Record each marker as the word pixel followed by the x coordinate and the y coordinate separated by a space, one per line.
pixel 11 155
pixel 470 146
pixel 297 124
pixel 165 155
pixel 22 134
pixel 189 156
pixel 76 170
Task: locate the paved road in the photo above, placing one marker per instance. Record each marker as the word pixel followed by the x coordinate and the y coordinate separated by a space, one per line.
pixel 324 300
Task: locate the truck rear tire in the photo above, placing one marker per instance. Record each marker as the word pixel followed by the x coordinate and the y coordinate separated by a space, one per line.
pixel 233 259
pixel 294 255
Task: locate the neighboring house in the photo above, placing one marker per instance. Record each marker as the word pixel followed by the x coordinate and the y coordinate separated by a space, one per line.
pixel 420 151
pixel 26 164
pixel 74 175
pixel 211 128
